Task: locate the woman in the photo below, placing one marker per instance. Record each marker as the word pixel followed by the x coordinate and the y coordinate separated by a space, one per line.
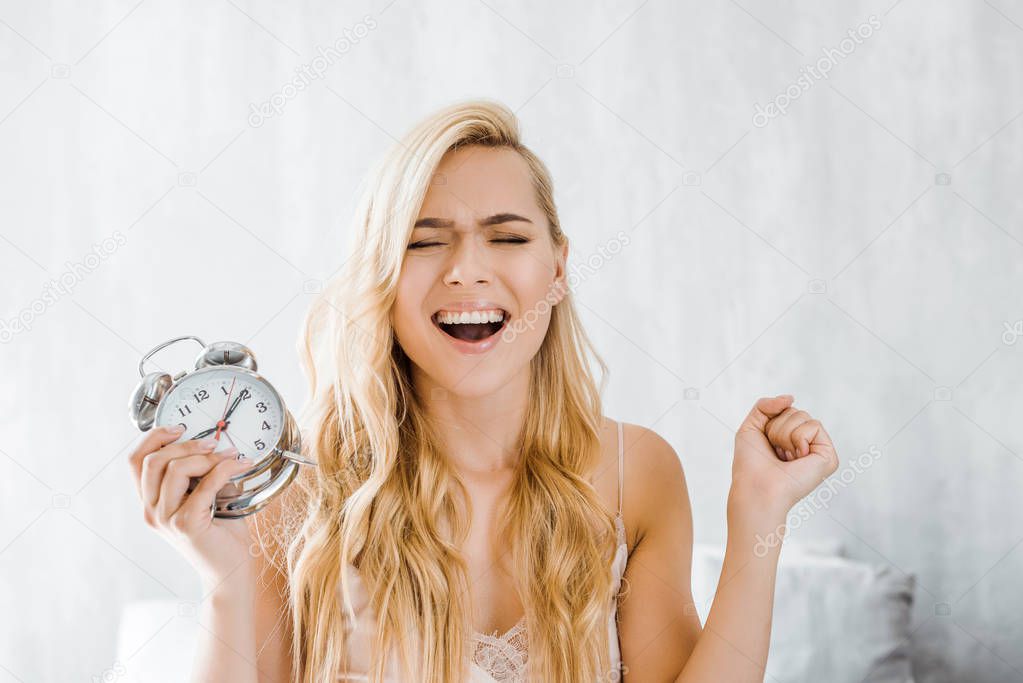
pixel 469 484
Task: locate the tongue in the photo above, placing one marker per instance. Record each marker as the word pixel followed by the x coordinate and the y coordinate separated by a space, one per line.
pixel 471 331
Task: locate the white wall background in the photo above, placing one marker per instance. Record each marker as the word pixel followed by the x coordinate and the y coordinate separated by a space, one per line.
pixel 822 254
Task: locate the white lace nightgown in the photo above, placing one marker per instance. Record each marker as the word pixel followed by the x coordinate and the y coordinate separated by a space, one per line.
pixel 495 658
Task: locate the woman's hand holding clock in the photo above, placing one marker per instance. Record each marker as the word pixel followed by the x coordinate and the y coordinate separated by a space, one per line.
pixel 162 469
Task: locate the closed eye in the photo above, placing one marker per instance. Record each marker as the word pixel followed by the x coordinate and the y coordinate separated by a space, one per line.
pixel 509 240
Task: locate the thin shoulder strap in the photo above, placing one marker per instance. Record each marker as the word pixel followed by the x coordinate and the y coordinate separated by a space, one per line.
pixel 621 468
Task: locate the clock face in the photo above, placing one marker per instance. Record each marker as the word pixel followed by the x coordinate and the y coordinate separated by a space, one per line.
pixel 249 408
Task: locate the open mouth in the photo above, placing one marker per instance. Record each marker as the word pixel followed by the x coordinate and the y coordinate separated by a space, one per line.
pixel 471 326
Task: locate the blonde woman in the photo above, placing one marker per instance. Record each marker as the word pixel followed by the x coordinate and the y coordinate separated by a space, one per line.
pixel 474 515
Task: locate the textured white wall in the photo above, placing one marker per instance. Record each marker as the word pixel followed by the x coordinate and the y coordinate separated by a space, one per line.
pixel 823 254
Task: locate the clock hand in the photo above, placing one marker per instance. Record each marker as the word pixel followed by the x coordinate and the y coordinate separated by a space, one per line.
pixel 207 432
pixel 234 405
pixel 221 424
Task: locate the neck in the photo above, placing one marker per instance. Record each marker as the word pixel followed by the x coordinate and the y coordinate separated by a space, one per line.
pixel 479 434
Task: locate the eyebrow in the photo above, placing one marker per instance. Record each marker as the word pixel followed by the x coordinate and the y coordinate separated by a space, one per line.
pixel 496 219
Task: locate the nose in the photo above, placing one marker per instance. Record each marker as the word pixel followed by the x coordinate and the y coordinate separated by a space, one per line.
pixel 468 263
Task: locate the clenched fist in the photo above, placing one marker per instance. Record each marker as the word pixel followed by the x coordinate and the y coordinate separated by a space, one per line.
pixel 781 455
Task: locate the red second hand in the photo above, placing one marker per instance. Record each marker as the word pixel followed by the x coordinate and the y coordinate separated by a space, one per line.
pixel 220 422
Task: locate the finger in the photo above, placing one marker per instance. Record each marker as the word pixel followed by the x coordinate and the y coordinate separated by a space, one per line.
pixel 763 410
pixel 177 478
pixel 772 430
pixel 789 427
pixel 821 447
pixel 155 464
pixel 805 434
pixel 195 513
pixel 780 430
pixel 783 454
pixel 822 441
pixel 148 442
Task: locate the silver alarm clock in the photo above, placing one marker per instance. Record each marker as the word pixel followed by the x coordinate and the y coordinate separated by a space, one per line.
pixel 223 397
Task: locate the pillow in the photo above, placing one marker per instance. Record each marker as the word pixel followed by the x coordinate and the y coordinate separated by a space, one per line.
pixel 835 619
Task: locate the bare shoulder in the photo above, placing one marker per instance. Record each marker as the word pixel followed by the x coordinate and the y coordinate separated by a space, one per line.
pixel 658 626
pixel 653 476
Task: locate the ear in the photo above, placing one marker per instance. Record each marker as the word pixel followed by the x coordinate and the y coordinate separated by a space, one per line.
pixel 560 284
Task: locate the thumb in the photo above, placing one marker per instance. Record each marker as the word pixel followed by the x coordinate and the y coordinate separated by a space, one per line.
pixel 763 410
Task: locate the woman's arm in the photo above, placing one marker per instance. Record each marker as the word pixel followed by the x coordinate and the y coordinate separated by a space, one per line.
pixel 660 633
pixel 225 649
pixel 735 638
pixel 245 622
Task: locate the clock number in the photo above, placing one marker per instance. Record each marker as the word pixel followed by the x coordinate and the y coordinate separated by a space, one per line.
pixel 201 395
pixel 185 410
pixel 245 394
pixel 266 425
pixel 183 425
pixel 259 444
pixel 261 407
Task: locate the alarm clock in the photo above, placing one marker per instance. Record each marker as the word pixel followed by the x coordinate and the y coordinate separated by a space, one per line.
pixel 223 397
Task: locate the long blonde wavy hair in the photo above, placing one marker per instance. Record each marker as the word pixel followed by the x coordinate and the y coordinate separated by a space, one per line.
pixel 384 498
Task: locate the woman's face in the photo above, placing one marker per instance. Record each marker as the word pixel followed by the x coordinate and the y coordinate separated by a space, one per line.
pixel 481 243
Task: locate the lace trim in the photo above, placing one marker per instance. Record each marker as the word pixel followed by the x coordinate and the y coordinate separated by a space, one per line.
pixel 503 657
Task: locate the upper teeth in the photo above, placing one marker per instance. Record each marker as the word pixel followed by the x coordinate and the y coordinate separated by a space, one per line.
pixel 467 317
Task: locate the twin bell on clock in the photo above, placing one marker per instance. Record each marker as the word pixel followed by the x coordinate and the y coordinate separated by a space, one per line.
pixel 223 397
